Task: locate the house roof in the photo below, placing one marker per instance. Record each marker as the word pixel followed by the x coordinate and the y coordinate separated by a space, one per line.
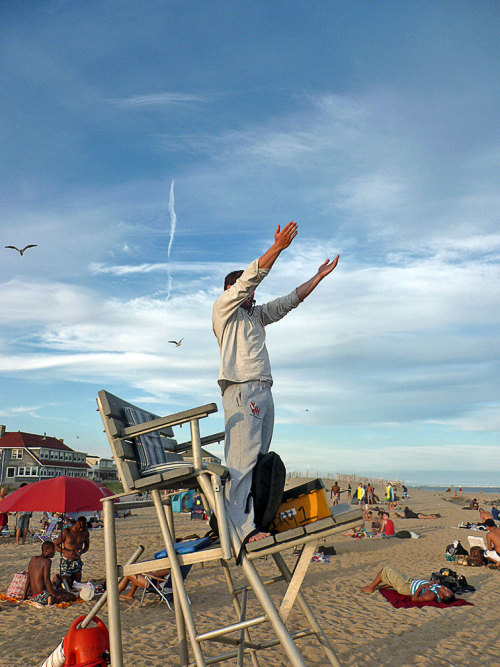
pixel 18 439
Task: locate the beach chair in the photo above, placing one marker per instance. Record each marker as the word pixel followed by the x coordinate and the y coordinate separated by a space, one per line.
pixel 49 533
pixel 147 459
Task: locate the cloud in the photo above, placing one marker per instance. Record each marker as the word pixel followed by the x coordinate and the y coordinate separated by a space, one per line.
pixel 161 100
pixel 18 411
pixel 401 343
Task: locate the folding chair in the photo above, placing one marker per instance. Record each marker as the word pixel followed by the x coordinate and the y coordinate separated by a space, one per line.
pixel 146 464
pixel 48 533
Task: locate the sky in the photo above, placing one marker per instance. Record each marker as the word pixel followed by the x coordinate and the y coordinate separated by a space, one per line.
pixel 150 148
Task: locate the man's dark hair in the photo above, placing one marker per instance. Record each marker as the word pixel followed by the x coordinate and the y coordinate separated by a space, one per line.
pixel 46 545
pixel 490 523
pixel 82 520
pixel 449 599
pixel 231 278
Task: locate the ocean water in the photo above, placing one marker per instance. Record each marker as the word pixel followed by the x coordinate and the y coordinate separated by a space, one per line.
pixel 465 489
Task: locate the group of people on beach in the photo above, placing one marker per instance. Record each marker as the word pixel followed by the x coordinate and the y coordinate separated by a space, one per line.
pixel 72 543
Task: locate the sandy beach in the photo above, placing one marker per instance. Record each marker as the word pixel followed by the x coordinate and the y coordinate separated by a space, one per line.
pixel 365 630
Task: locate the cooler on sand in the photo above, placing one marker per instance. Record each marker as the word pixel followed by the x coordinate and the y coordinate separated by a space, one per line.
pixel 301 505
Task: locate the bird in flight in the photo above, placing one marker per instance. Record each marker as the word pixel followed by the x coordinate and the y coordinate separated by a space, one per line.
pixel 176 342
pixel 21 251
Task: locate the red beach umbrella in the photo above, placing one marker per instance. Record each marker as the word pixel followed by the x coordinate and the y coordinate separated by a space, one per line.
pixel 58 494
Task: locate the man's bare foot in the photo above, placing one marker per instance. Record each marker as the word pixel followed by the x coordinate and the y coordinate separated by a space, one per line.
pixel 259 536
pixel 367 589
pixel 127 597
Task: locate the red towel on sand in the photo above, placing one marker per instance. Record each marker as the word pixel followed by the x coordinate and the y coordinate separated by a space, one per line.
pixel 405 602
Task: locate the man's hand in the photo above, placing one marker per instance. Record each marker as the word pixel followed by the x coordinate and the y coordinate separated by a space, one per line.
pixel 327 267
pixel 283 238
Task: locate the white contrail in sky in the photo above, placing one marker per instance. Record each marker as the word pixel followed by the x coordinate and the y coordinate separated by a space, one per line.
pixel 173 222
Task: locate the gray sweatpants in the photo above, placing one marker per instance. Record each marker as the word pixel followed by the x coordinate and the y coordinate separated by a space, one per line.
pixel 249 417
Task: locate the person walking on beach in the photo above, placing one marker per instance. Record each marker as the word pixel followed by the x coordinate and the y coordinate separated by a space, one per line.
pixel 335 494
pixel 245 372
pixel 4 516
pixel 349 491
pixel 360 493
pixel 420 590
pixel 72 543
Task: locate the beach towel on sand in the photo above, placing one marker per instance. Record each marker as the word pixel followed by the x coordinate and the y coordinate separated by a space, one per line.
pixel 32 603
pixel 405 602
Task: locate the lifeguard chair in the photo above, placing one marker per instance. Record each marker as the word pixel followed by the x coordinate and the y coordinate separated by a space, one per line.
pixel 148 459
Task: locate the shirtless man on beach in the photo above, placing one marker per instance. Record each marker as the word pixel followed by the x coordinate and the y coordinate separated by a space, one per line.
pixel 493 542
pixel 39 586
pixel 72 543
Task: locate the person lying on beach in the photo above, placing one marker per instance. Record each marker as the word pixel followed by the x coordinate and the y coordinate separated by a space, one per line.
pixel 493 542
pixel 140 581
pixel 410 514
pixel 420 590
pixel 39 587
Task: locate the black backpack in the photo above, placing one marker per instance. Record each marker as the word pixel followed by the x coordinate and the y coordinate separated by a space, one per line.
pixel 268 484
pixel 449 578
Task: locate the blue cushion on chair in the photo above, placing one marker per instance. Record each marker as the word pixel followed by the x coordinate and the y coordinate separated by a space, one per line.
pixel 186 547
pixel 150 449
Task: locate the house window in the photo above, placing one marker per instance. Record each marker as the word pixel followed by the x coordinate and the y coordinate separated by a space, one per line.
pixel 16 454
pixel 21 472
pixel 33 471
pixel 11 472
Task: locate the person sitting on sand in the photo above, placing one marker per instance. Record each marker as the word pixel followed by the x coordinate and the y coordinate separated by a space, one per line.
pixel 387 526
pixel 493 542
pixel 39 586
pixel 420 590
pixel 495 512
pixel 410 514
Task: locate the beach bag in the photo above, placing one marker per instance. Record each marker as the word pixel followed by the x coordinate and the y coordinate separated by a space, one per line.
pixel 476 557
pixel 456 549
pixel 449 578
pixel 18 585
pixel 268 484
pixel 403 534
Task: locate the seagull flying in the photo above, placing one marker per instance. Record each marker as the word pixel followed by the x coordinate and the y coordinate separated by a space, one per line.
pixel 21 252
pixel 176 342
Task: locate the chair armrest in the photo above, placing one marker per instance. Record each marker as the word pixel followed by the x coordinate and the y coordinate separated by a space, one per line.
pixel 206 440
pixel 170 420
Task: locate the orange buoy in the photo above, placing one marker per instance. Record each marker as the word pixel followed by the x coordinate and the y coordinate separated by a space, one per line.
pixel 86 647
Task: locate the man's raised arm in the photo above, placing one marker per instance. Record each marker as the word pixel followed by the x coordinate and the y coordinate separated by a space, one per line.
pixel 282 239
pixel 326 268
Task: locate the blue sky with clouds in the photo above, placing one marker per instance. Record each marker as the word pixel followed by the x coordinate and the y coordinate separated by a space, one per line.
pixel 373 124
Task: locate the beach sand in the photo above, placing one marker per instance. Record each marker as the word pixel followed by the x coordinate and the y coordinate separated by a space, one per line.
pixel 365 630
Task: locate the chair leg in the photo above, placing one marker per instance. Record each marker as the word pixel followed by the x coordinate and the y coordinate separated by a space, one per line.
pixel 308 613
pixel 177 580
pixel 182 646
pixel 238 607
pixel 115 634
